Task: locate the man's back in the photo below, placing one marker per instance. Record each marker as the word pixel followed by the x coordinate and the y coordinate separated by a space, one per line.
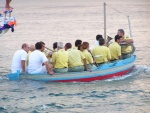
pixel 115 50
pixel 74 58
pixel 60 59
pixel 16 61
pixel 36 59
pixel 88 56
pixel 103 52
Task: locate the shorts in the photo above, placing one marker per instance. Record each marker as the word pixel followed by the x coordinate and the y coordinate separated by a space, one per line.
pixel 41 70
pixel 61 70
pixel 76 69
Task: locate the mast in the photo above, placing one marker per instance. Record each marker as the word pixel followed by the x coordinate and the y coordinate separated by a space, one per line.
pixel 104 20
pixel 129 27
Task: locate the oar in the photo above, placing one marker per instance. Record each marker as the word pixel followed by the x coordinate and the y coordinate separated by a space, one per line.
pixel 49 49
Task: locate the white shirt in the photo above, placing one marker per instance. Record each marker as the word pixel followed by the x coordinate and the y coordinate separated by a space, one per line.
pixel 16 61
pixel 36 59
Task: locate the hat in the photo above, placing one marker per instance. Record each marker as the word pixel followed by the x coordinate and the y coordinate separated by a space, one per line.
pixel 60 45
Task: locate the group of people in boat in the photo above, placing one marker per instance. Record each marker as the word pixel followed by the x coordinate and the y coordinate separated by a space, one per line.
pixel 66 58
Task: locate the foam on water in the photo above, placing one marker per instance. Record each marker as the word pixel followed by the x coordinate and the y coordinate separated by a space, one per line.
pixel 137 70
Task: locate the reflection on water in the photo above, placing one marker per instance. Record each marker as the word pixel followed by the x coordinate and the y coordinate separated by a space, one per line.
pixel 63 20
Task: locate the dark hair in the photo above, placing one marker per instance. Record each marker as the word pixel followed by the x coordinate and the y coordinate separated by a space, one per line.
pixel 78 42
pixel 68 45
pixel 42 43
pixel 101 41
pixel 79 47
pixel 122 31
pixel 38 45
pixel 85 45
pixel 24 45
pixel 54 45
pixel 98 37
pixel 117 37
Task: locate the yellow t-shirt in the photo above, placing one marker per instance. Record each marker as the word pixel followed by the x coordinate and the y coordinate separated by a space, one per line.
pixel 60 59
pixel 45 52
pixel 88 57
pixel 101 54
pixel 75 47
pixel 126 49
pixel 75 58
pixel 115 50
pixel 27 61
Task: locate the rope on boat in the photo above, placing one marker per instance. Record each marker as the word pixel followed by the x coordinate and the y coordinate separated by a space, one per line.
pixel 132 47
pixel 128 17
pixel 117 10
pixel 126 44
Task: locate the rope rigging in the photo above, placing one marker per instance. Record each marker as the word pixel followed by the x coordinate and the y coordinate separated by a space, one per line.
pixel 117 10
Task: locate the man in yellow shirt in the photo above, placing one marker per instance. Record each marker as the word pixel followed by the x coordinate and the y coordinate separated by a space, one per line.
pixel 75 58
pixel 31 49
pixel 85 50
pixel 126 49
pixel 101 53
pixel 60 59
pixel 77 44
pixel 115 48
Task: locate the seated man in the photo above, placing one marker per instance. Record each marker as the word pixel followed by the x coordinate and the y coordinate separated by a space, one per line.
pixel 115 48
pixel 31 49
pixel 19 59
pixel 49 55
pixel 60 59
pixel 38 63
pixel 97 39
pixel 43 48
pixel 85 50
pixel 77 44
pixel 55 46
pixel 101 53
pixel 125 50
pixel 75 58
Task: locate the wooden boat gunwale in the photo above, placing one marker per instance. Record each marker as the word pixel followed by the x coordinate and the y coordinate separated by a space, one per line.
pixel 104 71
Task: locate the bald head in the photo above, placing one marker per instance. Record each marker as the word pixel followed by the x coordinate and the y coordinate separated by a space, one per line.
pixel 32 48
pixel 25 47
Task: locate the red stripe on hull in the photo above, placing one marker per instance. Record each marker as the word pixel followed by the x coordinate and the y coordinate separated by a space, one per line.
pixel 98 77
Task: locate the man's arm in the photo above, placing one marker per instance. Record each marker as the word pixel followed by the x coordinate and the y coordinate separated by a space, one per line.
pixel 23 66
pixel 49 68
pixel 109 55
pixel 85 65
pixel 119 52
pixel 128 41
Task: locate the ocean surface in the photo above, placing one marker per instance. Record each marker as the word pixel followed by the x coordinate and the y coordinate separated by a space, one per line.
pixel 67 20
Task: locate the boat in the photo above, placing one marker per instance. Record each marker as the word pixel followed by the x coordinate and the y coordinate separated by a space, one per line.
pixel 102 72
pixel 6 22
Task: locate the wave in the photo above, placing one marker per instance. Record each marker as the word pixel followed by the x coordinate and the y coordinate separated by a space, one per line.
pixel 137 70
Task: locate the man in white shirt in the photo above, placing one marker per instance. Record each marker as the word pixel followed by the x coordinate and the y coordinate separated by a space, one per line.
pixel 38 63
pixel 19 59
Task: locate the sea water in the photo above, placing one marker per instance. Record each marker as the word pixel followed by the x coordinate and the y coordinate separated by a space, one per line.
pixel 67 20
